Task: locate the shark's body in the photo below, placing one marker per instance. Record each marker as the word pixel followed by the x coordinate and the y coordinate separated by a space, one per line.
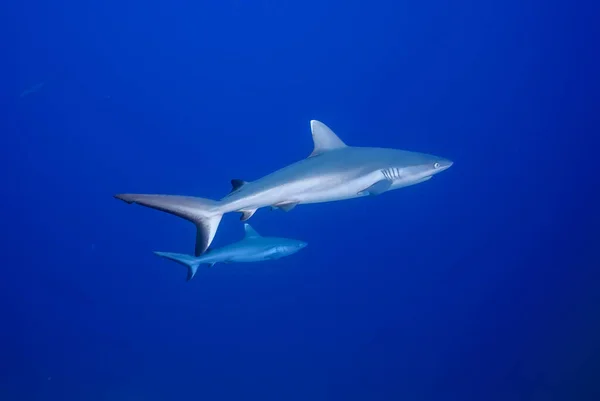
pixel 332 172
pixel 252 248
pixel 33 89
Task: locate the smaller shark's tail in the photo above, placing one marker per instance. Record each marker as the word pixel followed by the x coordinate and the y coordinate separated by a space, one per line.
pixel 204 213
pixel 191 262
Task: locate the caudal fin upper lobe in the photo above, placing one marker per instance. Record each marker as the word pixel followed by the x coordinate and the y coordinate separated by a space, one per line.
pixel 188 261
pixel 202 212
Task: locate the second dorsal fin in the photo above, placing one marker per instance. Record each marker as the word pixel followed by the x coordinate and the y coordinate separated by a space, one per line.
pixel 237 184
pixel 324 138
pixel 250 232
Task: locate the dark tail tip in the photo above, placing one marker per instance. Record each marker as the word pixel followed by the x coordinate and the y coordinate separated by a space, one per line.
pixel 190 274
pixel 125 198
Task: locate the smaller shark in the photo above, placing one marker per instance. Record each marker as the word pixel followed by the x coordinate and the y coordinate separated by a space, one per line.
pixel 252 248
pixel 33 89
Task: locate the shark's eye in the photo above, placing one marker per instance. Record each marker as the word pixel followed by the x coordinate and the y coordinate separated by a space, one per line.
pixel 436 165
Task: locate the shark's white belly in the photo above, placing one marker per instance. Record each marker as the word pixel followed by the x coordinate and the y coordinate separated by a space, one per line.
pixel 247 258
pixel 335 191
pixel 328 189
pixel 312 189
pixel 237 254
pixel 254 256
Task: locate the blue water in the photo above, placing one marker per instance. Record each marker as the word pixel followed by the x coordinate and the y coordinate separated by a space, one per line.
pixel 481 284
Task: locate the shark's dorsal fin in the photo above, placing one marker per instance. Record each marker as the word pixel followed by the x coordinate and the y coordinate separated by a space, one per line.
pixel 237 184
pixel 250 232
pixel 324 138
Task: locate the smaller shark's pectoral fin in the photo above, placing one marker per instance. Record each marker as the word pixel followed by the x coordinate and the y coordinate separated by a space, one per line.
pixel 246 214
pixel 285 206
pixel 378 188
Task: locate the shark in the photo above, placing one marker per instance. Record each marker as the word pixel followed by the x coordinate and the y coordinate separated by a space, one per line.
pixel 252 248
pixel 332 172
pixel 33 89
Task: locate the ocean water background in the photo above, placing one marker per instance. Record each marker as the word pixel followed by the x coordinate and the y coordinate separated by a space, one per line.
pixel 481 284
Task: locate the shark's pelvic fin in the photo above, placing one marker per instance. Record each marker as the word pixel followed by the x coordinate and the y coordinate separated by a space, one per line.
pixel 188 261
pixel 202 212
pixel 250 232
pixel 246 214
pixel 286 206
pixel 378 188
pixel 324 138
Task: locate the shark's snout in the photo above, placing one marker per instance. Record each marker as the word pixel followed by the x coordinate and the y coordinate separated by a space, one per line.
pixel 441 165
pixel 291 247
pixel 298 246
pixel 447 164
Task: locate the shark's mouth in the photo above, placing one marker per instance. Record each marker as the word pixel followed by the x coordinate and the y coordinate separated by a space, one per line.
pixel 401 177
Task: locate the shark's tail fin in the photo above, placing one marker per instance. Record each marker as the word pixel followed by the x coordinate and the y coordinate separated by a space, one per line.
pixel 188 261
pixel 204 213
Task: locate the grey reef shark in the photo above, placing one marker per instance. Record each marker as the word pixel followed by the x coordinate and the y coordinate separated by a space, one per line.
pixel 252 248
pixel 333 171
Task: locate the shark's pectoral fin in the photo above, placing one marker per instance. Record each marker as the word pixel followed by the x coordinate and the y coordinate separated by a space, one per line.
pixel 285 206
pixel 246 214
pixel 378 188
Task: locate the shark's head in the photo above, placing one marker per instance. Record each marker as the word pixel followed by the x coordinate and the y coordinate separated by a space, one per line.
pixel 287 247
pixel 429 166
pixel 407 168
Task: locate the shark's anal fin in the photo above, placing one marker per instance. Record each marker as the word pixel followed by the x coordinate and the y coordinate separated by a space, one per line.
pixel 285 206
pixel 246 214
pixel 324 138
pixel 378 188
pixel 211 264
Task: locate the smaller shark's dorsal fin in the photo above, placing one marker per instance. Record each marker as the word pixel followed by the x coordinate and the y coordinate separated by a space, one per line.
pixel 237 184
pixel 324 138
pixel 250 232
